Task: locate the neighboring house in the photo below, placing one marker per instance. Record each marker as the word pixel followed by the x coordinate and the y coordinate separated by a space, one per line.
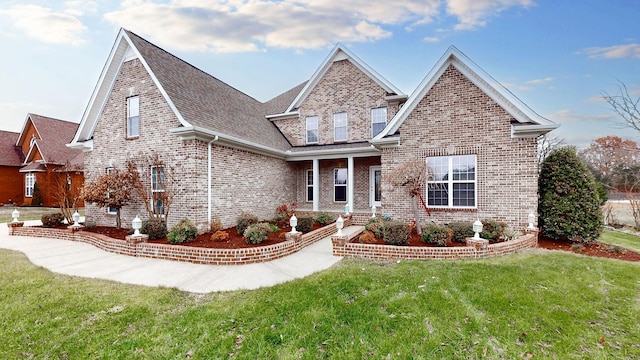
pixel 11 158
pixel 48 162
pixel 328 143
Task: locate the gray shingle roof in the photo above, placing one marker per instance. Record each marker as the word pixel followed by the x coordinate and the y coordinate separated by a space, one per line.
pixel 206 102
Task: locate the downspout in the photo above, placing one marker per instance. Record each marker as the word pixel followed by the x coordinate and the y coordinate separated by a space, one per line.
pixel 209 194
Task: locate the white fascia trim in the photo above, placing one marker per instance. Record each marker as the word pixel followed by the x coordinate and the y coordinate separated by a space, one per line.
pixel 24 127
pixel 531 131
pixel 387 142
pixel 85 146
pixel 392 98
pixel 202 134
pixel 332 153
pixel 283 115
pixel 334 55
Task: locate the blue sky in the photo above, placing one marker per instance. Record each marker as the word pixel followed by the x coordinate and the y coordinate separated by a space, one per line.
pixel 556 56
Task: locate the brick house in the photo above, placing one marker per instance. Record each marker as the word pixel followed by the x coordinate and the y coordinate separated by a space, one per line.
pixel 325 144
pixel 11 158
pixel 48 162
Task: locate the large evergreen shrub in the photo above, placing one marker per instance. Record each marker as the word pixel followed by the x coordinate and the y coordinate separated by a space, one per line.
pixel 568 205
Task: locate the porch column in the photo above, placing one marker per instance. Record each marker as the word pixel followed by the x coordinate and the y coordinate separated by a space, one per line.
pixel 350 182
pixel 316 184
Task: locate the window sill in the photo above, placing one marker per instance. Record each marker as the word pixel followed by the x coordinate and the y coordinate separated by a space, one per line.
pixel 132 137
pixel 454 209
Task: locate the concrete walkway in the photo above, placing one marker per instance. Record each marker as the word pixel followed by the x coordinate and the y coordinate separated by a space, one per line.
pixel 80 259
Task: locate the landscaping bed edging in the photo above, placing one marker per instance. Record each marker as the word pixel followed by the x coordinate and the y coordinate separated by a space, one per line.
pixel 473 250
pixel 196 255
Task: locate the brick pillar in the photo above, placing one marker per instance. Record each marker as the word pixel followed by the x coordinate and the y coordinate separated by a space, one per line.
pixel 14 224
pixel 133 241
pixel 480 246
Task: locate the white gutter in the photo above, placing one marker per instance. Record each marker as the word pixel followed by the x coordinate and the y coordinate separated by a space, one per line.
pixel 209 192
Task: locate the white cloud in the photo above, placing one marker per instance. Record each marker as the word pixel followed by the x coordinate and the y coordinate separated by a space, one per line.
pixel 567 116
pixel 240 25
pixel 80 7
pixel 595 99
pixel 541 81
pixel 614 52
pixel 431 39
pixel 46 25
pixel 473 13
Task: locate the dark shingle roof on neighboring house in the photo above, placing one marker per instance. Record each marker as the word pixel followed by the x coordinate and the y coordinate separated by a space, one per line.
pixel 54 135
pixel 206 102
pixel 10 154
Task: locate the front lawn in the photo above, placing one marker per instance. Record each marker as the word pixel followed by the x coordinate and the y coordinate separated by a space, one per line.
pixel 530 305
pixel 628 241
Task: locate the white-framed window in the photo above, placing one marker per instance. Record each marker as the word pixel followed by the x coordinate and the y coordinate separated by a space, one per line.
pixel 340 184
pixel 157 190
pixel 111 210
pixel 451 181
pixel 312 129
pixel 340 126
pixel 133 116
pixel 309 184
pixel 29 182
pixel 378 120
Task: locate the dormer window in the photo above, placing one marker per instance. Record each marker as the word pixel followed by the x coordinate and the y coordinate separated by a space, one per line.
pixel 133 117
pixel 33 141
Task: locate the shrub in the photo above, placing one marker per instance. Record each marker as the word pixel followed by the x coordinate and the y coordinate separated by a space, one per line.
pixel 305 224
pixel 492 230
pixel 510 234
pixel 182 232
pixel 273 228
pixel 396 233
pixel 376 226
pixel 285 211
pixel 367 237
pixel 324 218
pixel 436 234
pixel 36 196
pixel 52 220
pixel 461 230
pixel 220 236
pixel 257 233
pixel 243 221
pixel 568 205
pixel 155 228
pixel 89 224
pixel 215 225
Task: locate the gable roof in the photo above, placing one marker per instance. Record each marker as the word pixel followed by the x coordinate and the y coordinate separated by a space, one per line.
pixel 10 153
pixel 205 106
pixel 529 123
pixel 53 134
pixel 339 53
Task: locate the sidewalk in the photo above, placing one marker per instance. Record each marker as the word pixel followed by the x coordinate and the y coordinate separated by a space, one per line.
pixel 81 259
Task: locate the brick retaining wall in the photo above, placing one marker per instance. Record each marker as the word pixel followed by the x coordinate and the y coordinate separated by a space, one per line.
pixel 180 252
pixel 474 250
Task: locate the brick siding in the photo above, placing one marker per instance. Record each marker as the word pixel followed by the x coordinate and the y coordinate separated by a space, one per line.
pixel 454 118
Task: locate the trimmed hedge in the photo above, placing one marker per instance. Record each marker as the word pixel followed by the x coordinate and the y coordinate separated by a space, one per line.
pixel 436 234
pixel 396 233
pixel 183 231
pixel 154 228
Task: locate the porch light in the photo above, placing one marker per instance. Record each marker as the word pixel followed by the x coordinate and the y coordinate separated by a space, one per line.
pixel 531 219
pixel 76 218
pixel 293 222
pixel 15 215
pixel 136 224
pixel 477 229
pixel 339 225
pixel 346 209
pixel 373 211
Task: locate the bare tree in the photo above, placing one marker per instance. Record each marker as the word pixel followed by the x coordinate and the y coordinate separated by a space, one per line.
pixel 411 175
pixel 546 144
pixel 66 196
pixel 625 105
pixel 156 182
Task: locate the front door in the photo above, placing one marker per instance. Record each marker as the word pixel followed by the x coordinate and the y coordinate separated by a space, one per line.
pixel 375 186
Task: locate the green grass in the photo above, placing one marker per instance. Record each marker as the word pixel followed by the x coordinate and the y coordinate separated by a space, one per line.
pixel 544 305
pixel 628 241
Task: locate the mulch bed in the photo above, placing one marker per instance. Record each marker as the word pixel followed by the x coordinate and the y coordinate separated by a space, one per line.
pixel 236 241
